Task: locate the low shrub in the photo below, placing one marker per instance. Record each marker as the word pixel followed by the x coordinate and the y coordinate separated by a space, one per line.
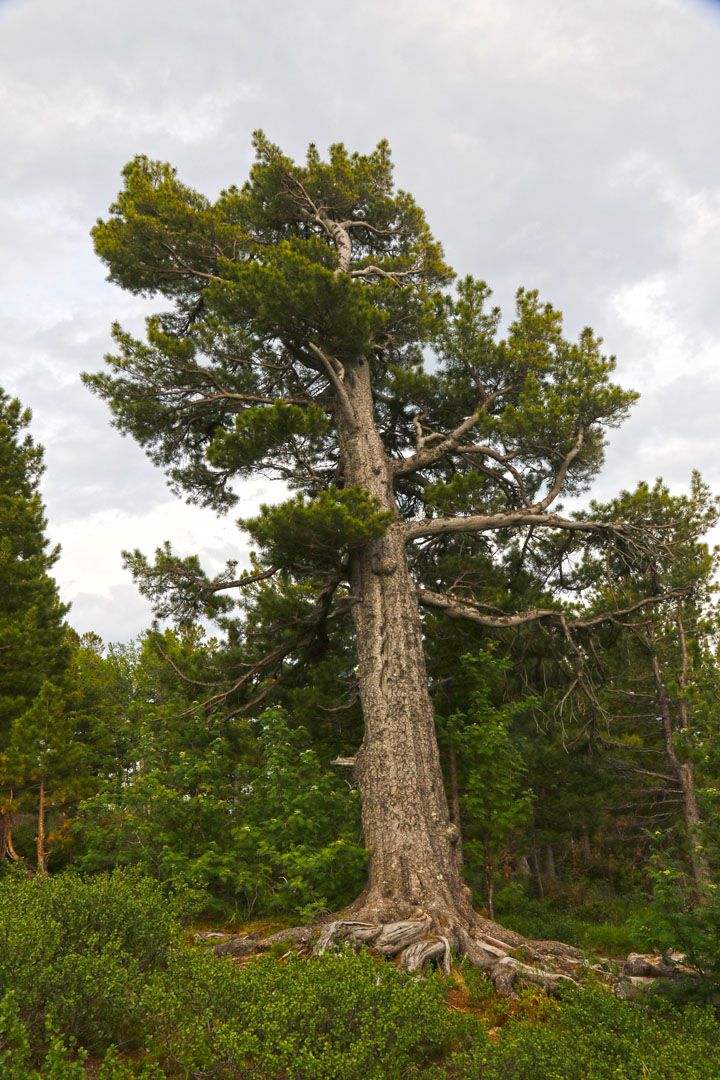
pixel 335 1017
pixel 686 919
pixel 77 953
pixel 96 970
pixel 593 1034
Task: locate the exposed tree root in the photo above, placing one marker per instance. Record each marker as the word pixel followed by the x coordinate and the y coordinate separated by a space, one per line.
pixel 508 959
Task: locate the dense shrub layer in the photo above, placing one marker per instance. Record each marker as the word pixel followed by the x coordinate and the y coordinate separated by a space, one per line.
pixel 96 972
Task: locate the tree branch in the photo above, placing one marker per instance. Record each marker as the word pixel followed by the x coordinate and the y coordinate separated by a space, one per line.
pixel 507 520
pixel 336 380
pixel 462 609
pixel 428 456
pixel 562 472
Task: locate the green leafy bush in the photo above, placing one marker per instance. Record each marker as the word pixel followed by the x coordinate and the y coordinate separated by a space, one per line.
pixel 688 921
pixel 274 832
pixel 77 952
pixel 335 1017
pixel 592 1034
pixel 97 968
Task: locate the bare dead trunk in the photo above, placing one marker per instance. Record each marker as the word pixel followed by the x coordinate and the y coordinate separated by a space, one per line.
pixel 42 853
pixel 406 822
pixel 684 770
pixel 536 865
pixel 7 850
pixel 489 884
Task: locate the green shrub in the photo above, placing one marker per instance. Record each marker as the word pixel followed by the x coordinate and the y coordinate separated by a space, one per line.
pixel 90 966
pixel 272 832
pixel 77 952
pixel 594 1035
pixel 15 1050
pixel 335 1017
pixel 692 927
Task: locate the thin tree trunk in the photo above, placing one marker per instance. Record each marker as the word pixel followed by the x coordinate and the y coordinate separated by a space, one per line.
pixel 536 865
pixel 42 853
pixel 7 817
pixel 587 851
pixel 489 882
pixel 551 877
pixel 406 821
pixel 684 770
pixel 454 795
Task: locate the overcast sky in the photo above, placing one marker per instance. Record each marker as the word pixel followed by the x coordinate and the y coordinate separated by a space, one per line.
pixel 564 145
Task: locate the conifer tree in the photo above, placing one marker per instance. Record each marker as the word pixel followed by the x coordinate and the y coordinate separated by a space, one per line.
pixel 654 671
pixel 303 308
pixel 33 645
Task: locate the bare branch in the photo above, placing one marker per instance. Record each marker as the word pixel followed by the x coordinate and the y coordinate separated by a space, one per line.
pixel 355 223
pixel 451 442
pixel 562 472
pixel 335 374
pixel 224 688
pixel 396 276
pixel 508 519
pixel 428 456
pixel 462 609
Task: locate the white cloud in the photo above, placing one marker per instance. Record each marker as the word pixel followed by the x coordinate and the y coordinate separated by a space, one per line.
pixel 566 146
pixel 91 570
pixel 81 105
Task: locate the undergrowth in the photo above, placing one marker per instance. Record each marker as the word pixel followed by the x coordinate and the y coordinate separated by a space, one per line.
pixel 96 980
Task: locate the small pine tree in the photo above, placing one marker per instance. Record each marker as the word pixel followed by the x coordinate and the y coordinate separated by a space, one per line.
pixel 33 634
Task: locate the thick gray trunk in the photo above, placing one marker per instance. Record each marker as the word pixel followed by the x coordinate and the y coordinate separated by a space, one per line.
pixel 413 862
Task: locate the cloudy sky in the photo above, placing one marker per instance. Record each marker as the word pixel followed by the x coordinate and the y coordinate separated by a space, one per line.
pixel 567 146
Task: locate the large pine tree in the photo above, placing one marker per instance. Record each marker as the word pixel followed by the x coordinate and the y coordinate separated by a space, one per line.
pixel 303 309
pixel 33 641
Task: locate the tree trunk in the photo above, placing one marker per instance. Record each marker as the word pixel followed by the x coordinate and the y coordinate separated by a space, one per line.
pixel 7 818
pixel 455 817
pixel 489 884
pixel 536 864
pixel 551 879
pixel 407 827
pixel 42 853
pixel 684 770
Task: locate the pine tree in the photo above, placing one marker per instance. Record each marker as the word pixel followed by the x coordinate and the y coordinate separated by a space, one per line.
pixel 33 645
pixel 654 669
pixel 304 307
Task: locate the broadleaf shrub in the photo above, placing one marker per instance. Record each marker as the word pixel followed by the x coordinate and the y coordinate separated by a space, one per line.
pixel 335 1017
pixel 77 952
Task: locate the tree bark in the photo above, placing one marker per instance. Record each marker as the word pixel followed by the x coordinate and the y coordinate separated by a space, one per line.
pixel 408 832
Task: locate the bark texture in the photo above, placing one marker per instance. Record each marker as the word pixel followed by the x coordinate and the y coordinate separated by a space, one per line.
pixel 408 831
